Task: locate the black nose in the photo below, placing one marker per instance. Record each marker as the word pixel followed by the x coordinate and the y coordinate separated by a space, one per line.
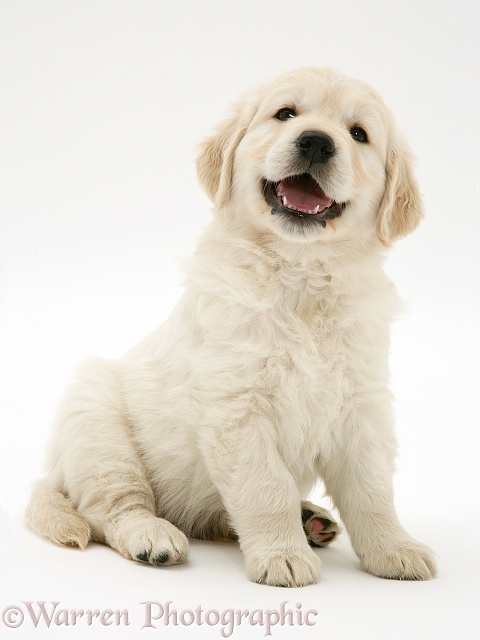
pixel 317 147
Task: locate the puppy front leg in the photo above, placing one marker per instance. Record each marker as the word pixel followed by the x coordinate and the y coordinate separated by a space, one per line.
pixel 359 479
pixel 262 500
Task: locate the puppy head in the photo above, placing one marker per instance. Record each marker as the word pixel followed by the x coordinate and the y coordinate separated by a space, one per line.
pixel 312 156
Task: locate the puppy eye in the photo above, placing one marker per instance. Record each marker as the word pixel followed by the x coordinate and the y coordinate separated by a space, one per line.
pixel 285 114
pixel 359 134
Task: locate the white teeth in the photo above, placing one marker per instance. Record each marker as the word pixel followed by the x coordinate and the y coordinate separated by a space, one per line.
pixel 286 204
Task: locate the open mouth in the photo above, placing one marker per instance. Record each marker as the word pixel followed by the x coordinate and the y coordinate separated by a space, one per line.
pixel 302 197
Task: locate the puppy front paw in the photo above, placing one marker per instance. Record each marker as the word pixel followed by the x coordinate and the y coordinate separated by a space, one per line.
pixel 319 525
pixel 284 568
pixel 408 561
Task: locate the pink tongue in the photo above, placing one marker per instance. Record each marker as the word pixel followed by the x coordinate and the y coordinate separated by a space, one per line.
pixel 302 193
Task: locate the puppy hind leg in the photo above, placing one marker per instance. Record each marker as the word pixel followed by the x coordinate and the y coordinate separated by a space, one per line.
pixel 120 504
pixel 103 473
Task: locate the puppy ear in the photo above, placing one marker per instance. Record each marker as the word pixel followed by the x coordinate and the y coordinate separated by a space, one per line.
pixel 401 209
pixel 216 156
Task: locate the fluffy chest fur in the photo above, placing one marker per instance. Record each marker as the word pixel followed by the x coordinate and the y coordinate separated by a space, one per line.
pixel 296 337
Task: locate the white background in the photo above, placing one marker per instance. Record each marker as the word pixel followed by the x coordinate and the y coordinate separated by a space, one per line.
pixel 102 105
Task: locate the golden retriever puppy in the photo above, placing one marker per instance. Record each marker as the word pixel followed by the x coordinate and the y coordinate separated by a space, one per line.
pixel 271 372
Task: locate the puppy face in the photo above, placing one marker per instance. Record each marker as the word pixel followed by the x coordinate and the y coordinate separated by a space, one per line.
pixel 313 156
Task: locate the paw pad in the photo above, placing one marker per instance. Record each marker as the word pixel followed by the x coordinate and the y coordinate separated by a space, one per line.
pixel 319 527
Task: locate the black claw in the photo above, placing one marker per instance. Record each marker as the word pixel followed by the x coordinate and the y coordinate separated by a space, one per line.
pixel 306 515
pixel 143 557
pixel 161 558
pixel 323 543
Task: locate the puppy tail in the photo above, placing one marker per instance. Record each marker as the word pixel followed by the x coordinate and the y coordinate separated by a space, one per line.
pixel 51 514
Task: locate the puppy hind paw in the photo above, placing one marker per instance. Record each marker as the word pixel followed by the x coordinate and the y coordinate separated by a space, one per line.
pixel 164 558
pixel 158 543
pixel 319 526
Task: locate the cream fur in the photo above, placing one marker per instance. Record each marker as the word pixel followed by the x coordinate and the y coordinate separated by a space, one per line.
pixel 270 373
